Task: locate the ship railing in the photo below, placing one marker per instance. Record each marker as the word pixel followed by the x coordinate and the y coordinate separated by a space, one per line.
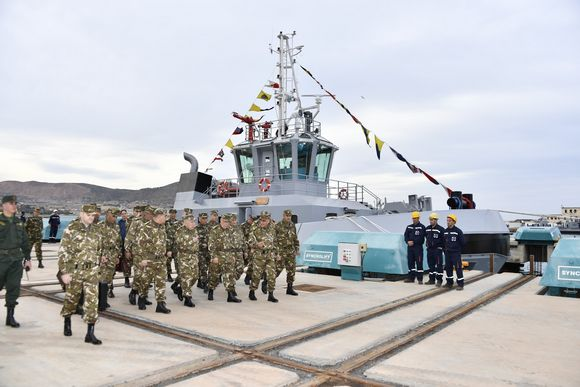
pixel 269 130
pixel 305 184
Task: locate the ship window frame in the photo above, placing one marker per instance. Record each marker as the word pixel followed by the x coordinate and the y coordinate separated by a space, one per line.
pixel 284 160
pixel 246 173
pixel 304 159
pixel 325 150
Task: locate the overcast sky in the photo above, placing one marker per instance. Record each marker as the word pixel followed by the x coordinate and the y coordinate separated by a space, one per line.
pixel 483 95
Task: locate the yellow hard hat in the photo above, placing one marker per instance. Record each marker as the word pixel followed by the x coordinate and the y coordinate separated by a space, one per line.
pixel 452 216
pixel 415 215
pixel 433 216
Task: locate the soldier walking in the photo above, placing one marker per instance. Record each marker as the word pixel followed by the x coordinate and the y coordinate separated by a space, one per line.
pixel 132 250
pixel 14 255
pixel 262 242
pixel 170 229
pixel 246 228
pixel 239 245
pixel 34 227
pixel 187 246
pixel 287 247
pixel 112 252
pixel 79 256
pixel 152 259
pixel 204 256
pixel 223 261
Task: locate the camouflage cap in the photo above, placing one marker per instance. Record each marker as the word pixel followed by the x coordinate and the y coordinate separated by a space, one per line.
pixel 173 211
pixel 9 199
pixel 36 208
pixel 288 212
pixel 226 217
pixel 138 208
pixel 149 209
pixel 203 215
pixel 89 208
pixel 158 211
pixel 264 215
pixel 214 212
pixel 114 211
pixel 188 217
pixel 187 210
pixel 234 215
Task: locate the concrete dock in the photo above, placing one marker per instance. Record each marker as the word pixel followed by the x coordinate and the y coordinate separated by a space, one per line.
pixel 519 338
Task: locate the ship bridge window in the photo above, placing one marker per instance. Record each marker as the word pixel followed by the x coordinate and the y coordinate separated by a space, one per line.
pixel 284 153
pixel 246 162
pixel 304 156
pixel 322 162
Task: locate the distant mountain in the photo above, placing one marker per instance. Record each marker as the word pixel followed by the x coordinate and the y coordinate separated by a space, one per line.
pixel 71 193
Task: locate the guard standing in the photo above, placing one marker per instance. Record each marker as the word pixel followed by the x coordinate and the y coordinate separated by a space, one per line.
pixel 288 247
pixel 14 248
pixel 34 228
pixel 434 235
pixel 454 243
pixel 223 259
pixel 415 237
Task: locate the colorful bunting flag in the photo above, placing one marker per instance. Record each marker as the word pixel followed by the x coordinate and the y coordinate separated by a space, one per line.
pixel 230 144
pixel 264 96
pixel 255 108
pixel 238 130
pixel 378 146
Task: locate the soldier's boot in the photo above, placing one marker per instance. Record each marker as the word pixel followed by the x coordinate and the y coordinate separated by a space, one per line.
pixel 103 288
pixel 210 294
pixel 234 292
pixel 205 288
pixel 111 294
pixel 247 279
pixel 290 290
pixel 232 297
pixel 40 265
pixel 252 296
pixel 127 284
pixel 271 297
pixel 264 286
pixel 161 308
pixel 80 311
pixel 141 303
pixel 438 284
pixel 180 293
pixel 169 277
pixel 188 302
pixel 200 284
pixel 90 336
pixel 174 287
pixel 147 302
pixel 10 321
pixel 67 328
pixel 132 296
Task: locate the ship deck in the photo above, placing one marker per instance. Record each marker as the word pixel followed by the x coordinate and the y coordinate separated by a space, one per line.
pixel 498 331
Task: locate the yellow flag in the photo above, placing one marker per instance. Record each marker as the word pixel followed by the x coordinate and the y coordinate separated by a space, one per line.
pixel 378 146
pixel 230 144
pixel 255 108
pixel 263 95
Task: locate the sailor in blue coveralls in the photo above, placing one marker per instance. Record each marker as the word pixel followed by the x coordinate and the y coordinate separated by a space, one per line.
pixel 454 242
pixel 415 237
pixel 434 235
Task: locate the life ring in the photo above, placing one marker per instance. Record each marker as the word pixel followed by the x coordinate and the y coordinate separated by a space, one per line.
pixel 264 184
pixel 223 188
pixel 343 194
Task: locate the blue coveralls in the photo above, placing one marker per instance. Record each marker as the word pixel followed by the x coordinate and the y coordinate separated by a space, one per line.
pixel 453 244
pixel 434 236
pixel 415 233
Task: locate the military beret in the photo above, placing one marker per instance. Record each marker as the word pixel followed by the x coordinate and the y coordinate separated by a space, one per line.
pixel 214 212
pixel 288 212
pixel 203 215
pixel 189 217
pixel 89 208
pixel 226 216
pixel 173 211
pixel 158 211
pixel 9 199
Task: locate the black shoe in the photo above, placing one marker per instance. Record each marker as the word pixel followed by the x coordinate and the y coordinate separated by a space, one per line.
pixel 271 297
pixel 169 277
pixel 141 303
pixel 232 297
pixel 264 286
pixel 40 265
pixel 80 311
pixel 210 294
pixel 200 284
pixel 180 293
pixel 127 284
pixel 290 290
pixel 174 287
pixel 448 286
pixel 247 279
pixel 132 296
pixel 188 302
pixel 234 293
pixel 147 302
pixel 67 328
pixel 408 280
pixel 439 283
pixel 10 321
pixel 90 336
pixel 459 288
pixel 111 294
pixel 420 282
pixel 161 308
pixel 103 288
pixel 252 296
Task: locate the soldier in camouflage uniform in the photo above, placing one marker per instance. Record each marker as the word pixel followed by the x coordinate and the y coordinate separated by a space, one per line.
pixel 214 218
pixel 150 255
pixel 34 227
pixel 79 256
pixel 170 229
pixel 14 248
pixel 112 252
pixel 287 247
pixel 204 257
pixel 187 246
pixel 133 230
pixel 246 228
pixel 223 260
pixel 262 242
pixel 239 245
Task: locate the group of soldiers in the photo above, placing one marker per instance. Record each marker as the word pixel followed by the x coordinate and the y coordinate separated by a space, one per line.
pixel 439 240
pixel 208 252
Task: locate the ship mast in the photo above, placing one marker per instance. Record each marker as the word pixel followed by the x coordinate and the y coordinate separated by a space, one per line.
pixel 288 91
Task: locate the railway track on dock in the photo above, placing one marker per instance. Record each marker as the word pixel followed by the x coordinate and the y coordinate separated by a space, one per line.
pixel 267 352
